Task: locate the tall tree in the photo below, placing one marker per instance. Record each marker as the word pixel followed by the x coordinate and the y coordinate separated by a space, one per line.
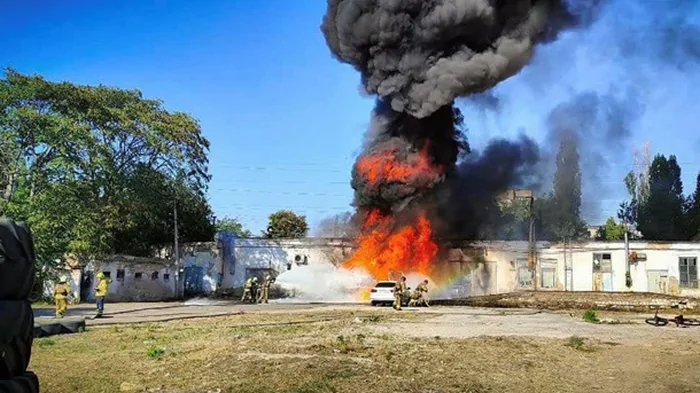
pixel 148 221
pixel 70 153
pixel 693 217
pixel 564 211
pixel 232 225
pixel 661 216
pixel 286 224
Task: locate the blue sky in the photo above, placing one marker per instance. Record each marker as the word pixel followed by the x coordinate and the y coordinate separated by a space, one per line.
pixel 286 120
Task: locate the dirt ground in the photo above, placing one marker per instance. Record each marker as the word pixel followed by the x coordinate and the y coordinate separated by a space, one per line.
pixel 351 348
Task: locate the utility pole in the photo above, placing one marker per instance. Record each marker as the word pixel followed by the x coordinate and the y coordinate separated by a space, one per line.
pixel 176 252
pixel 531 244
pixel 628 274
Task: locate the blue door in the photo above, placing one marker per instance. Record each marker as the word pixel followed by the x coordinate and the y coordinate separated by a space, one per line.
pixel 194 281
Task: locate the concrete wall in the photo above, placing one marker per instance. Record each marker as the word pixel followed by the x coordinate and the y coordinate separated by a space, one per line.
pixel 144 279
pixel 505 259
pixel 256 256
pixel 478 268
pixel 201 267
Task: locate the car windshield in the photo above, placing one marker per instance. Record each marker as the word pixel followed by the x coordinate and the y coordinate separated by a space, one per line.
pixel 385 284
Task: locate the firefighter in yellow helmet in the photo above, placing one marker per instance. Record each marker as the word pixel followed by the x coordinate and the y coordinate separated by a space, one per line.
pixel 265 292
pixel 399 290
pixel 101 292
pixel 61 291
pixel 247 288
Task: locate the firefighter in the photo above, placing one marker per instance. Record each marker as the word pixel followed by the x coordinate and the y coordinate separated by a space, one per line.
pixel 421 291
pixel 60 294
pixel 265 292
pixel 399 290
pixel 247 288
pixel 100 292
pixel 255 290
pixel 417 297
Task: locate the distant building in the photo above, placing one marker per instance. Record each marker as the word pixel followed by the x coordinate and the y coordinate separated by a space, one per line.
pixel 508 197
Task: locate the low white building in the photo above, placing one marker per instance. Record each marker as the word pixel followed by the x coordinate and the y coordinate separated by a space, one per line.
pixel 501 267
pixel 473 268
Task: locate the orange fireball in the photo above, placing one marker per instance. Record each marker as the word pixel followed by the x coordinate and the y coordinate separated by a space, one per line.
pixel 383 249
pixel 384 166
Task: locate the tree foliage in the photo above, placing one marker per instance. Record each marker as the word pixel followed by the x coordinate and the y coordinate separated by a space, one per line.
pixel 286 224
pixel 559 213
pixel 661 215
pixel 95 169
pixel 611 230
pixel 232 225
pixel 693 221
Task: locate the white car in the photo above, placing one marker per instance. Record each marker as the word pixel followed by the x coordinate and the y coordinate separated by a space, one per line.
pixel 382 293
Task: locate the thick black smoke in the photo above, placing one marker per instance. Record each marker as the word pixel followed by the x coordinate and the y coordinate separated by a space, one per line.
pixel 466 202
pixel 402 138
pixel 419 55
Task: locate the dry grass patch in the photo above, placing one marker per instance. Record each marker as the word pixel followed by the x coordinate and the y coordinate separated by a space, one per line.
pixel 337 352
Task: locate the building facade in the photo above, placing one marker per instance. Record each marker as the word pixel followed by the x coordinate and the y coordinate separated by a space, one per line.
pixel 501 267
pixel 473 268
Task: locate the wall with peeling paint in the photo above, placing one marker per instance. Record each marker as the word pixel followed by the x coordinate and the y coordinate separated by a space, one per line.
pixel 252 257
pixel 143 279
pixel 478 268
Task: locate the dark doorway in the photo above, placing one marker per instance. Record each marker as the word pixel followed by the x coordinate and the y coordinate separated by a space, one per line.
pixel 194 279
pixel 86 286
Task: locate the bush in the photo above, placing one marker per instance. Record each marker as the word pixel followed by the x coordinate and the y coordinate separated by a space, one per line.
pixel 155 352
pixel 591 316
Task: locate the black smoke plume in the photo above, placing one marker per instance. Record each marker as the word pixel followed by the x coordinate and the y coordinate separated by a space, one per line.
pixel 418 56
pixel 466 201
pixel 401 138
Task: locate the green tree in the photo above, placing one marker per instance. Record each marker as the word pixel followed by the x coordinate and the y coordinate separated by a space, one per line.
pixel 286 224
pixel 693 216
pixel 514 221
pixel 611 231
pixel 232 225
pixel 661 216
pixel 148 219
pixel 560 212
pixel 70 154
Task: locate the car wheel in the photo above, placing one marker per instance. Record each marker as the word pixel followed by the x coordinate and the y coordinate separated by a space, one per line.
pixel 373 303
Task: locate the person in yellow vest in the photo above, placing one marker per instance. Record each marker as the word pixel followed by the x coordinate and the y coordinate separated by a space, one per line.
pixel 399 290
pixel 60 294
pixel 100 292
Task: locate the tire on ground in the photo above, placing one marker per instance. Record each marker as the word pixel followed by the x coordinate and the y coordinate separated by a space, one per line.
pixel 16 260
pixel 16 337
pixel 25 383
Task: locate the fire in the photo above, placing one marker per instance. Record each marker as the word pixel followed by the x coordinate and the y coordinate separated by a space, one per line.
pixel 384 166
pixel 383 249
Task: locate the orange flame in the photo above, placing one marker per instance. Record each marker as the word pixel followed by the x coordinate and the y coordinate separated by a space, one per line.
pixel 385 166
pixel 381 250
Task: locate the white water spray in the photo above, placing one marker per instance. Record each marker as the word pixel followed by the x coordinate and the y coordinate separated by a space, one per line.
pixel 324 283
